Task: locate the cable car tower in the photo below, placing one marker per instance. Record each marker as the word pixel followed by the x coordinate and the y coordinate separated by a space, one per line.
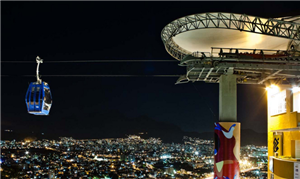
pixel 232 49
pixel 38 97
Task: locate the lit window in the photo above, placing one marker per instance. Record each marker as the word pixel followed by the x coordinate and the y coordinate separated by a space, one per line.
pixel 296 101
pixel 277 103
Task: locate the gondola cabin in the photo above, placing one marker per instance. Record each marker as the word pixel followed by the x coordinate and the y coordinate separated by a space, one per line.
pixel 38 98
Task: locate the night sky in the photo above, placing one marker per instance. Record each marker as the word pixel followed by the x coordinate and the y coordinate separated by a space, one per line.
pixel 62 31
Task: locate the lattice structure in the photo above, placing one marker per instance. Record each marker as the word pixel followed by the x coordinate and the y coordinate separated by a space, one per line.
pixel 250 71
pixel 241 22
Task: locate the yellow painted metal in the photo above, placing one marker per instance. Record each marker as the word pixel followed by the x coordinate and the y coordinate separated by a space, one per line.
pixel 286 120
pixel 283 168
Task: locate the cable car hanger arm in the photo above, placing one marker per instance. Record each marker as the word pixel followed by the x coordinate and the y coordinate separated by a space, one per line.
pixel 38 61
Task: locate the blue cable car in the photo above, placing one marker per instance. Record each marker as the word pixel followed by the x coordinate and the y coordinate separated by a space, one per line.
pixel 38 97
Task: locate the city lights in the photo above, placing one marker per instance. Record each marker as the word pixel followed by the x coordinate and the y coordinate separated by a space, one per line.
pixel 91 156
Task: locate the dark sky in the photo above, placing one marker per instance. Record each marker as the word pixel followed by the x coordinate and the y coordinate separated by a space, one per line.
pixel 115 30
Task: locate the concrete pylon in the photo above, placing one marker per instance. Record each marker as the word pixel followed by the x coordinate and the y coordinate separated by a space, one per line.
pixel 227 98
pixel 227 131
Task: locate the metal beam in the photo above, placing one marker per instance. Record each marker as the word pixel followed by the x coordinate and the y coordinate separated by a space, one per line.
pixel 211 69
pixel 259 66
pixel 200 74
pixel 268 77
pixel 291 60
pixel 187 74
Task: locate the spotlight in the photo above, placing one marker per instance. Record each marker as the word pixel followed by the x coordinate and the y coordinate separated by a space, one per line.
pixel 272 89
pixel 296 89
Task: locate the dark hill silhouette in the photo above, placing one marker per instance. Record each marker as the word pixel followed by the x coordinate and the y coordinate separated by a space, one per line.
pixel 113 124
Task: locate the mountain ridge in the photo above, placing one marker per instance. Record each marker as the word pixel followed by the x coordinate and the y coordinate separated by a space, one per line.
pixel 113 124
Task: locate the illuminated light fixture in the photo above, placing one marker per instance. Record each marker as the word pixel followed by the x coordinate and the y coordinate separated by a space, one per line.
pixel 272 89
pixel 273 86
pixel 296 89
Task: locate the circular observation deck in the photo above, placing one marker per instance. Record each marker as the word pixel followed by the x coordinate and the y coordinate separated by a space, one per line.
pixel 200 32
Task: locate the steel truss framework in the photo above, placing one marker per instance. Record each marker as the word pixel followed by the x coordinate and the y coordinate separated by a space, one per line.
pixel 250 72
pixel 241 22
pixel 285 72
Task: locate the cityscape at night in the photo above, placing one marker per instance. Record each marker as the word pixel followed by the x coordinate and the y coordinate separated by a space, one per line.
pixel 130 157
pixel 171 89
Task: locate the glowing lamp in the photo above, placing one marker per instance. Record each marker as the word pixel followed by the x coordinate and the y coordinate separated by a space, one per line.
pixel 272 89
pixel 295 89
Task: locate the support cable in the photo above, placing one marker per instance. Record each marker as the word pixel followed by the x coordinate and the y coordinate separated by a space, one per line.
pixel 92 61
pixel 163 76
